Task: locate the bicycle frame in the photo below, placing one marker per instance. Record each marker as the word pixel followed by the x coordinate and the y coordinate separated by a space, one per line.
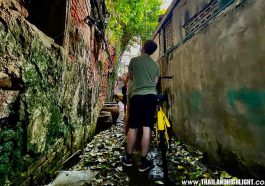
pixel 162 136
pixel 162 125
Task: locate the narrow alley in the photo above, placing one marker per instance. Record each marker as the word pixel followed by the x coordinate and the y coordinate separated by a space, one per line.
pixel 101 159
pixel 77 75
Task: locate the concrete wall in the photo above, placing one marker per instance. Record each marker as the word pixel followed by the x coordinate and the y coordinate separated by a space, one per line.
pixel 50 95
pixel 217 95
pixel 182 13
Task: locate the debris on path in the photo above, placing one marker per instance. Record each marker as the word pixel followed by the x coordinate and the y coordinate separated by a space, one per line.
pixel 102 158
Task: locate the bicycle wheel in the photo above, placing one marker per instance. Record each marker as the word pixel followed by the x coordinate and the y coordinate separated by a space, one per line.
pixel 163 150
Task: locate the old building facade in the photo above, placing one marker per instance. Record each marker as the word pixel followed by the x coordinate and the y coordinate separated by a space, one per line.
pixel 55 67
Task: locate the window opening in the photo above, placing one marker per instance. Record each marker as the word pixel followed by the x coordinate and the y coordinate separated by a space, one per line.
pixel 201 17
pixel 48 16
pixel 168 36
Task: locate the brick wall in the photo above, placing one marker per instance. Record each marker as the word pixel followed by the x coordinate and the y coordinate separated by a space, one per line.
pixel 51 95
pixel 79 11
pixel 100 65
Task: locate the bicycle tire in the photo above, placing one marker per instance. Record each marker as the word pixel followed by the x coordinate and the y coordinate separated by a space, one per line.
pixel 163 150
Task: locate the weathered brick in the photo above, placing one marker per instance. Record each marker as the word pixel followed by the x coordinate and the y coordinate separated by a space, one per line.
pixel 7 99
pixel 82 87
pixel 5 81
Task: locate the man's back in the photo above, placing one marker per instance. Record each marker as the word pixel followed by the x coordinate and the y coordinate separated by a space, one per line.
pixel 144 71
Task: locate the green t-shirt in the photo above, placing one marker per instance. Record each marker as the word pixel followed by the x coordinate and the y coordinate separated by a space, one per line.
pixel 144 71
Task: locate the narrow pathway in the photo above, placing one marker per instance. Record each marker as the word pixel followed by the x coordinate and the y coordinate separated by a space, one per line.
pixel 102 157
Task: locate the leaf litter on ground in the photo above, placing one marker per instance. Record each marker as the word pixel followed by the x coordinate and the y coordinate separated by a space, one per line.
pixel 102 157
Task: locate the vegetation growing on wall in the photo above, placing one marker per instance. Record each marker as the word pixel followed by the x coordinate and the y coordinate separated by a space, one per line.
pixel 51 91
pixel 10 141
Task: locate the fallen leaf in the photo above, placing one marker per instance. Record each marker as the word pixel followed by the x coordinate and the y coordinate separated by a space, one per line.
pixel 119 169
pixel 180 167
pixel 159 182
pixel 206 175
pixel 224 174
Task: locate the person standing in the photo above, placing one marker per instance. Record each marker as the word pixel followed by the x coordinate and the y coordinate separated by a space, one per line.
pixel 129 91
pixel 121 116
pixel 124 91
pixel 144 73
pixel 118 86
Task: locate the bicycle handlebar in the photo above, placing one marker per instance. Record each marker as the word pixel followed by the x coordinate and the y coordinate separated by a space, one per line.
pixel 166 77
pixel 161 98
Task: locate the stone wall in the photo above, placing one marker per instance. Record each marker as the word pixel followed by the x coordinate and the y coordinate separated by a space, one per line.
pixel 217 95
pixel 50 95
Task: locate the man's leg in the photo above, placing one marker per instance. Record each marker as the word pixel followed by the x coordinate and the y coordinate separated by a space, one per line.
pixel 145 141
pixel 149 107
pixel 131 137
pixel 145 164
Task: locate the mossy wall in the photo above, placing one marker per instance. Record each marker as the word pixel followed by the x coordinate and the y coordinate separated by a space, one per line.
pixel 49 95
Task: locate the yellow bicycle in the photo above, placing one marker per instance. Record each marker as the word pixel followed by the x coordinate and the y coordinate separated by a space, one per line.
pixel 162 140
pixel 162 126
pixel 162 131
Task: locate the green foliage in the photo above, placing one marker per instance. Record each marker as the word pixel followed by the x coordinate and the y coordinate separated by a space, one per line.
pixel 130 19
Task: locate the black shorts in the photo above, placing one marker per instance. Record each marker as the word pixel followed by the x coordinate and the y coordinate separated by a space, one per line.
pixel 142 111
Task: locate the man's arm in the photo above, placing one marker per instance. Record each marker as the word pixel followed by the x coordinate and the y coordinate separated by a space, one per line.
pixel 158 85
pixel 130 74
pixel 158 82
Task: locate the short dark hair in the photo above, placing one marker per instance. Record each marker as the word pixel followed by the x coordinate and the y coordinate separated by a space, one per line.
pixel 150 47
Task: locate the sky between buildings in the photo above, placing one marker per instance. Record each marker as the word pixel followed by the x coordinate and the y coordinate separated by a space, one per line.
pixel 166 4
